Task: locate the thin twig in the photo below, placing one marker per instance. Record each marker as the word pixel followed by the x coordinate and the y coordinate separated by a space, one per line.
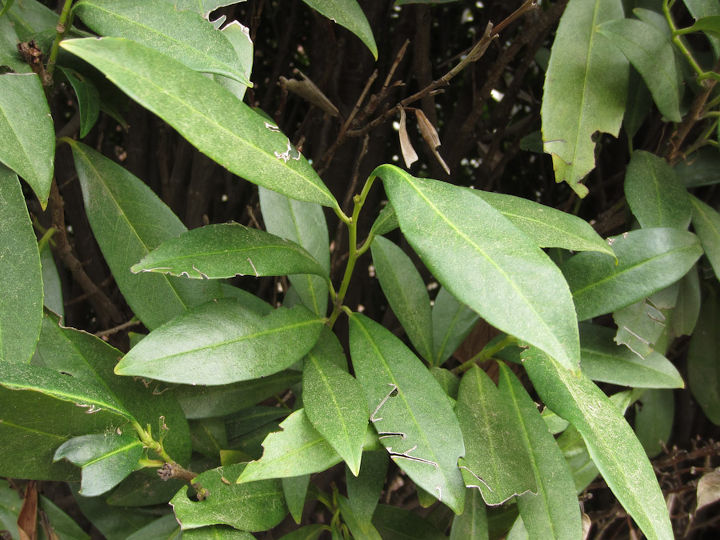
pixel 119 328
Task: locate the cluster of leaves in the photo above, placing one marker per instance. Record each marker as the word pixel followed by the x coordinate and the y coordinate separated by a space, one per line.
pixel 194 393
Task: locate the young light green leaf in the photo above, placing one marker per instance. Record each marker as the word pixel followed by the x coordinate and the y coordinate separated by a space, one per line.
pixel 21 278
pixel 472 523
pixel 545 225
pixel 207 115
pixel 184 36
pixel 364 490
pixel 88 99
pixel 223 342
pixel 295 491
pixel 226 250
pixel 703 364
pixel 552 512
pixel 603 360
pixel 349 14
pixel 496 458
pixel 335 405
pixel 452 322
pixel 651 52
pixel 27 132
pixel 654 420
pixel 648 260
pixel 296 450
pixel 409 410
pixel 486 262
pixel 405 292
pixel 128 221
pixel 106 459
pixel 610 440
pixel 706 222
pixel 257 506
pixel 579 97
pixel 655 193
pixel 302 223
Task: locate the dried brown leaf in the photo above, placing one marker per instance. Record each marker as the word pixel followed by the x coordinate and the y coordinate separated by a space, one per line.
pixel 429 133
pixel 307 90
pixel 406 147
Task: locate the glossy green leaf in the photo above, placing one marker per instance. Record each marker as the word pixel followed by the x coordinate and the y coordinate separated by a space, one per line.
pixel 364 490
pixel 216 533
pixel 579 97
pixel 302 223
pixel 386 221
pixel 703 362
pixel 184 36
pixel 106 459
pixel 648 260
pixel 655 193
pixel 27 132
pixel 209 401
pixel 207 115
pixel 604 360
pixel 654 420
pixel 334 403
pixel 223 342
pixel 88 99
pixel 255 506
pixel 706 222
pixel 546 226
pixel 349 14
pixel 249 300
pixel 405 291
pixel 472 523
pixel 395 523
pixel 651 52
pixel 452 322
pixel 409 410
pixel 295 490
pixel 296 450
pixel 486 262
pixel 21 279
pixel 611 442
pixel 163 528
pixel 687 308
pixel 496 459
pixel 128 221
pixel 226 250
pixel 553 511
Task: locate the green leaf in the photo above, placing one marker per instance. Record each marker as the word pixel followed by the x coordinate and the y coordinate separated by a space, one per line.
pixel 705 8
pixel 205 7
pixel 128 221
pixel 216 533
pixel 706 222
pixel 472 523
pixel 256 506
pixel 308 532
pixel 545 225
pixel 106 459
pixel 641 326
pixel 21 278
pixel 552 512
pixel 208 437
pixel 710 24
pixel 296 450
pixel 63 525
pixel 396 523
pixel 163 528
pixel 144 488
pixel 654 420
pixel 226 250
pixel 651 52
pixel 114 522
pixel 405 292
pixel 703 363
pixel 386 221
pixel 27 132
pixel 302 223
pixel 611 442
pixel 603 360
pixel 33 20
pixel 648 260
pixel 485 262
pixel 184 36
pixel 295 490
pixel 207 115
pixel 655 193
pixel 52 287
pixel 496 458
pixel 210 401
pixel 88 99
pixel 349 14
pixel 239 37
pixel 687 308
pixel 223 342
pixel 579 96
pixel 409 410
pixel 358 528
pixel 364 490
pixel 452 322
pixel 334 403
pixel 8 46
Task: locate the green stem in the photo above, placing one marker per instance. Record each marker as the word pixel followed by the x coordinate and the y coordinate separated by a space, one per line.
pixel 702 74
pixel 156 446
pixel 487 352
pixel 61 29
pixel 47 235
